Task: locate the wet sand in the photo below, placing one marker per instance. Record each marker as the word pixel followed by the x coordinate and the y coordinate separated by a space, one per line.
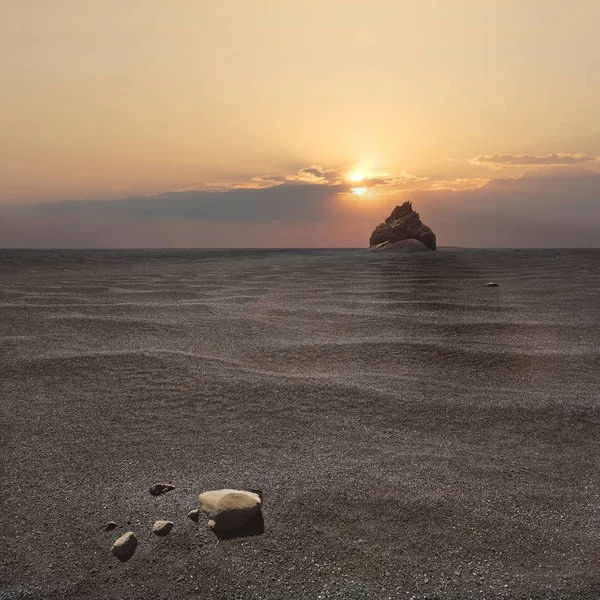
pixel 414 433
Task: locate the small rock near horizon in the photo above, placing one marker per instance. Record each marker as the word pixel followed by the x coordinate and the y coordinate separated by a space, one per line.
pixel 161 488
pixel 125 546
pixel 492 284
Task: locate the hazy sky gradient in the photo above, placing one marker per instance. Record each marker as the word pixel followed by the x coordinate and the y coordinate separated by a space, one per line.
pixel 470 108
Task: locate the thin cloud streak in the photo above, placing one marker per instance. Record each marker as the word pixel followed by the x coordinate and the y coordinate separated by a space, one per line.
pixel 527 160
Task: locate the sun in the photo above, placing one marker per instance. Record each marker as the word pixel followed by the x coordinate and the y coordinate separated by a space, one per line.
pixel 357 177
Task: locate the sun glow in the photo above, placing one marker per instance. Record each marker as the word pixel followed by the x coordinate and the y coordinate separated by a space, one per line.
pixel 360 177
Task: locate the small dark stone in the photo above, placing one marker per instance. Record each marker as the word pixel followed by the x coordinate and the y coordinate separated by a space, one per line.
pixel 125 546
pixel 162 528
pixel 492 284
pixel 110 526
pixel 160 488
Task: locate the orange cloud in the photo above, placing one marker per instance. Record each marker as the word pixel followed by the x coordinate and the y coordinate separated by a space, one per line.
pixel 456 185
pixel 318 175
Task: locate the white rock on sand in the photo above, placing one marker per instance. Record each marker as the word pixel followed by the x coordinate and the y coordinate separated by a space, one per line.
pixel 162 528
pixel 229 509
pixel 125 546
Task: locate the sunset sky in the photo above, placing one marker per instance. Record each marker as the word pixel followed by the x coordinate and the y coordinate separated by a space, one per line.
pixel 252 123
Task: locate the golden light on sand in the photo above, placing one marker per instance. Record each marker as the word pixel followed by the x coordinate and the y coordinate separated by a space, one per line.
pixel 359 191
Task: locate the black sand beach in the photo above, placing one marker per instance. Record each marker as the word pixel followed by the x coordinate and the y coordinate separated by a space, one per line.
pixel 414 433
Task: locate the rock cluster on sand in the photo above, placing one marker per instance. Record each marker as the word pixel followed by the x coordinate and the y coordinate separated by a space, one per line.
pixel 161 488
pixel 229 509
pixel 162 528
pixel 402 225
pixel 125 546
pixel 226 509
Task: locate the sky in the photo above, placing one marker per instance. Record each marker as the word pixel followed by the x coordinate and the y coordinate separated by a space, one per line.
pixel 298 123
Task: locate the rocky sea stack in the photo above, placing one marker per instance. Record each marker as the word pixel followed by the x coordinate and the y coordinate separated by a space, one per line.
pixel 402 225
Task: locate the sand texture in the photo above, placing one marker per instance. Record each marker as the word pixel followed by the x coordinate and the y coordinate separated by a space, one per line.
pixel 413 432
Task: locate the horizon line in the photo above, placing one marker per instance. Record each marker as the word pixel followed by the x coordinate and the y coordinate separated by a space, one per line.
pixel 255 248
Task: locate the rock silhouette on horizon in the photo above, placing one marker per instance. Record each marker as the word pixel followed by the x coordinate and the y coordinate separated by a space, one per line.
pixel 403 224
